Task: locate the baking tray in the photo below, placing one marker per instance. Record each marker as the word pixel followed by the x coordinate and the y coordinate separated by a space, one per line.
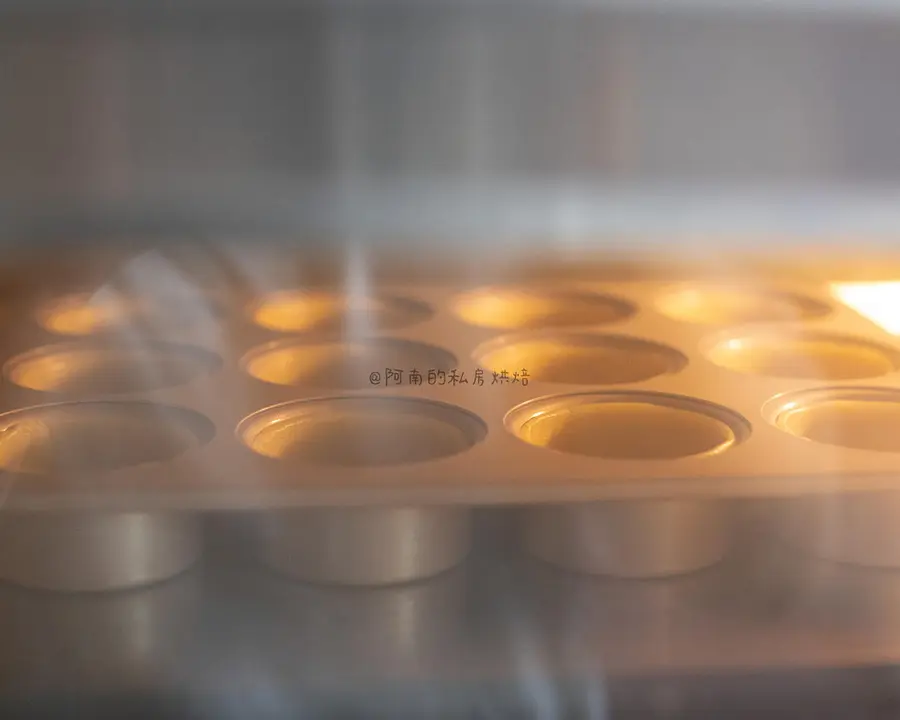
pixel 676 389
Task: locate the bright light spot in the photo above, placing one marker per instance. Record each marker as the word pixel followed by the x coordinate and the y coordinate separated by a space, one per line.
pixel 877 301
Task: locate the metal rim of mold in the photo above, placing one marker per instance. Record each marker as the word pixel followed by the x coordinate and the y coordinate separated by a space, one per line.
pixel 340 364
pixel 627 425
pixel 97 367
pixel 852 417
pixel 363 546
pixel 92 551
pixel 108 311
pixel 720 304
pixel 360 430
pixel 801 354
pixel 514 308
pixel 86 437
pixel 852 528
pixel 84 313
pixel 584 358
pixel 314 310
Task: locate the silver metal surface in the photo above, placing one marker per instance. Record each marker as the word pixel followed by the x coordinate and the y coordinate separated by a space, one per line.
pixel 640 539
pixel 93 552
pixel 860 529
pixel 650 623
pixel 332 635
pixel 558 121
pixel 819 592
pixel 105 643
pixel 365 546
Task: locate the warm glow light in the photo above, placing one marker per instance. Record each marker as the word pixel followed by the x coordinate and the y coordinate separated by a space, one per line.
pixel 877 301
